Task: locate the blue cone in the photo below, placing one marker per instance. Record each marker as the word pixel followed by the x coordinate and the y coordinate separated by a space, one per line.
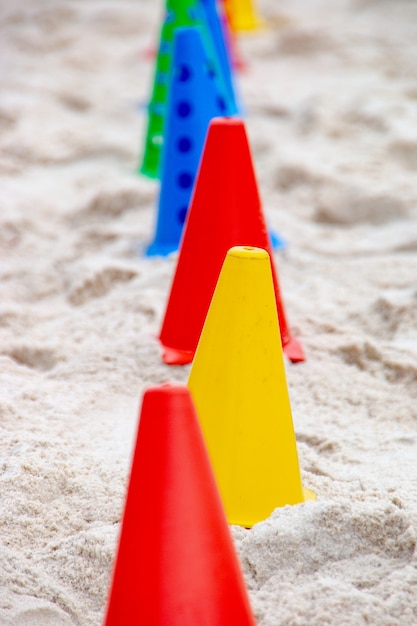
pixel 196 96
pixel 277 242
pixel 216 29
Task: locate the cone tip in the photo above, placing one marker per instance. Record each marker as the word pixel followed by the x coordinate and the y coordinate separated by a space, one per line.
pixel 248 252
pixel 187 33
pixel 167 389
pixel 227 121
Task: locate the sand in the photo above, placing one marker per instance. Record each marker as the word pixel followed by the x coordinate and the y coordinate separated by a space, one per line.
pixel 330 94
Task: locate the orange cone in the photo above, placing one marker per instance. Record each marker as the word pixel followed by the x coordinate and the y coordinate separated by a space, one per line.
pixel 176 565
pixel 225 211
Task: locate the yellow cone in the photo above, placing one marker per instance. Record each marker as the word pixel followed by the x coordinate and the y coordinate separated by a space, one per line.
pixel 242 16
pixel 239 388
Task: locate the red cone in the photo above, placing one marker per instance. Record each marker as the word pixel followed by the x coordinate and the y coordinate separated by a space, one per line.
pixel 176 565
pixel 225 211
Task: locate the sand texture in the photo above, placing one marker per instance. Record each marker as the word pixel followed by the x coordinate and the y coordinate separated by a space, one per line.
pixel 330 97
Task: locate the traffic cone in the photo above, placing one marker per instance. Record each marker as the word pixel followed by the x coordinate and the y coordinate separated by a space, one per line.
pixel 179 13
pixel 196 97
pixel 176 565
pixel 225 211
pixel 238 385
pixel 242 15
pixel 217 32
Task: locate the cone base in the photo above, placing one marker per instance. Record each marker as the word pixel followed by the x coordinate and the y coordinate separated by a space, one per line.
pixel 308 496
pixel 160 249
pixel 294 351
pixel 171 356
pixel 240 65
pixel 277 242
pixel 148 172
pixel 149 53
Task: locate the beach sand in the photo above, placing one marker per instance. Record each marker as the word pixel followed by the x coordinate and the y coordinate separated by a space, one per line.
pixel 330 98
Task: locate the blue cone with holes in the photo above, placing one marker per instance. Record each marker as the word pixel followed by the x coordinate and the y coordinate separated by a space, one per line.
pixel 196 96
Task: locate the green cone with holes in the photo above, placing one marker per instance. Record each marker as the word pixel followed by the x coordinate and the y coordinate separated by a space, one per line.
pixel 179 13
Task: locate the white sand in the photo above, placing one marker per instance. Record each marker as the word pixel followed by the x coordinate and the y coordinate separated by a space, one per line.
pixel 331 100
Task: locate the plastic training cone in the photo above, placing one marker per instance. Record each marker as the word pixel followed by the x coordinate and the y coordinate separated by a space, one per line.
pixel 242 15
pixel 196 97
pixel 176 565
pixel 219 39
pixel 239 388
pixel 225 211
pixel 179 13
